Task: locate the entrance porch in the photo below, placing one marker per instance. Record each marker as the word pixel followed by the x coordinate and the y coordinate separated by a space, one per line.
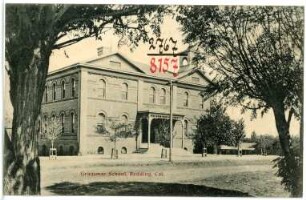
pixel 154 129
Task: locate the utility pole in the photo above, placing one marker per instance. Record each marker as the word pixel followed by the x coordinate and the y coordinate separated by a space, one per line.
pixel 171 116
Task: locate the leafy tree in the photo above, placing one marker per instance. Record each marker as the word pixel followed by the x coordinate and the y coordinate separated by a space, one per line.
pixel 32 32
pixel 163 131
pixel 214 128
pixel 238 133
pixel 254 137
pixel 119 131
pixel 256 57
pixel 54 130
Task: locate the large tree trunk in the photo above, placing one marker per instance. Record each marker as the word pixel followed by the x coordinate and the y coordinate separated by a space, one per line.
pixel 288 163
pixel 27 81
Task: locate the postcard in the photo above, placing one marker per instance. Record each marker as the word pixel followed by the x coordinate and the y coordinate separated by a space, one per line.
pixel 153 100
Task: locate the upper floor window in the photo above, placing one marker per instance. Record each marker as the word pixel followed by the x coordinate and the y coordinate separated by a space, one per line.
pixel 124 91
pixel 102 88
pixel 46 93
pixel 73 87
pixel 186 99
pixel 202 102
pixel 163 96
pixel 152 94
pixel 54 91
pixel 115 64
pixel 195 79
pixel 63 90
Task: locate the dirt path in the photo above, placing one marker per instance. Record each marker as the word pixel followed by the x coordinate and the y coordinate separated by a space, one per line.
pixel 182 172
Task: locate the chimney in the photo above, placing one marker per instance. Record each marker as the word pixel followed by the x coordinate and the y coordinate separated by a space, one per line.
pixel 103 50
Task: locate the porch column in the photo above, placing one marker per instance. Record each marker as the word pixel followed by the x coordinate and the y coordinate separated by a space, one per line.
pixel 149 131
pixel 139 139
pixel 183 129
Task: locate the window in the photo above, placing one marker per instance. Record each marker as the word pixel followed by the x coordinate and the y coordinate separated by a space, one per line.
pixel 124 119
pixel 46 93
pixel 202 103
pixel 195 79
pixel 52 123
pixel 72 122
pixel 63 122
pixel 184 61
pixel 152 95
pixel 73 87
pixel 124 91
pixel 186 99
pixel 53 91
pixel 101 118
pixel 63 90
pixel 101 124
pixel 186 127
pixel 102 88
pixel 46 124
pixel 163 96
pixel 115 64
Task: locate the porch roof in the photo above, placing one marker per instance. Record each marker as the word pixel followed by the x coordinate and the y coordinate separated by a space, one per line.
pixel 161 115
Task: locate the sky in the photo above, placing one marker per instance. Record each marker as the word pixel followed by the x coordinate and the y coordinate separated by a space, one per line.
pixel 87 49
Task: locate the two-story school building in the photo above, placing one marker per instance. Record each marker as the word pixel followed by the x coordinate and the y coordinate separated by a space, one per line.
pixel 93 94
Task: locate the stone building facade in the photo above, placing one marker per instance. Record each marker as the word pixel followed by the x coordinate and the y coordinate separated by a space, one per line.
pixel 111 88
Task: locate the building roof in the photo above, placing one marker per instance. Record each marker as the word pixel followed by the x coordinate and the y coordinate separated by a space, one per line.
pixel 244 146
pixel 140 68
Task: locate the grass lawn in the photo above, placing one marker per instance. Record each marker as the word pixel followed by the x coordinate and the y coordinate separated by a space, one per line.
pixel 226 176
pixel 259 184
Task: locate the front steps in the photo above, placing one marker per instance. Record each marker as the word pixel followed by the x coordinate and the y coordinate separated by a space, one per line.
pixel 156 149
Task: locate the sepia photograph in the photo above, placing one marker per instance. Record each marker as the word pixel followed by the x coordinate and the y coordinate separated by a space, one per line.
pixel 172 100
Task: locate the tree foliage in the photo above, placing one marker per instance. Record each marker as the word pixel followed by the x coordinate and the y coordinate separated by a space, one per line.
pixel 32 32
pixel 215 128
pixel 255 55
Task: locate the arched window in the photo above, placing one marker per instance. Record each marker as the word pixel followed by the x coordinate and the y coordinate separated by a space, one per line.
pixel 46 124
pixel 124 119
pixel 152 94
pixel 101 129
pixel 63 89
pixel 61 151
pixel 101 118
pixel 124 91
pixel 186 99
pixel 73 87
pixel 53 91
pixel 72 122
pixel 202 102
pixel 100 150
pixel 186 127
pixel 102 88
pixel 46 93
pixel 71 150
pixel 53 118
pixel 63 122
pixel 163 96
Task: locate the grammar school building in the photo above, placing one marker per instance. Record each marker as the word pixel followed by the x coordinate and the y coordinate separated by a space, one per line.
pixel 87 97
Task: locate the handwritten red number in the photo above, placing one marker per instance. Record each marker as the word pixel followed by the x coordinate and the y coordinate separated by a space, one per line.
pixel 175 67
pixel 160 64
pixel 153 65
pixel 166 65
